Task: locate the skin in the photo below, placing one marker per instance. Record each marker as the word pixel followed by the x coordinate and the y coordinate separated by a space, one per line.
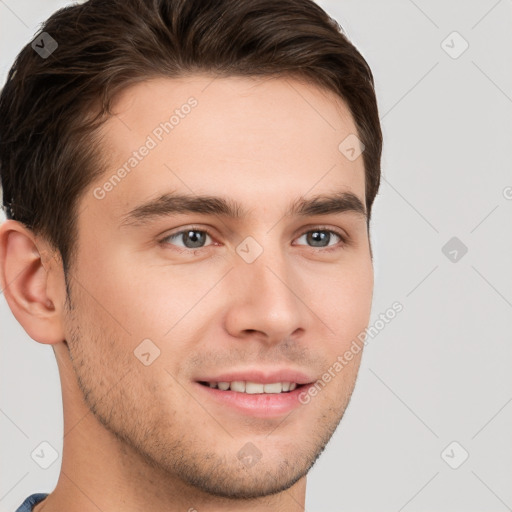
pixel 141 437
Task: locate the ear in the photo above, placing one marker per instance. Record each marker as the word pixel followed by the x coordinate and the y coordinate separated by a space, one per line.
pixel 32 280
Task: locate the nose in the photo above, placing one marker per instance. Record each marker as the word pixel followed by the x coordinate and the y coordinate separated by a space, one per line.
pixel 265 301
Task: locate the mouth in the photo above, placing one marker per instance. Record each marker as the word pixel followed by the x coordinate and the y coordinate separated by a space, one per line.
pixel 253 393
pixel 253 388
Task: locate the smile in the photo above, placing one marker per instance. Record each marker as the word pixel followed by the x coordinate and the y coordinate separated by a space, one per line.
pixel 253 388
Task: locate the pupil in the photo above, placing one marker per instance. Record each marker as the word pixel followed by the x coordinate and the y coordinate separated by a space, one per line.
pixel 196 238
pixel 319 236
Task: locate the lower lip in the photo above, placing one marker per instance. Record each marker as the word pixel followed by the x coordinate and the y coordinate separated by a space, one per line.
pixel 260 405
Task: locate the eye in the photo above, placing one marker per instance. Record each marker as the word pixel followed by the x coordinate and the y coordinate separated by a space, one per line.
pixel 321 238
pixel 191 238
pixel 195 238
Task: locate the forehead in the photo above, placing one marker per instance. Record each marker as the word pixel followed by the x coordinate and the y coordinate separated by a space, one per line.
pixel 251 138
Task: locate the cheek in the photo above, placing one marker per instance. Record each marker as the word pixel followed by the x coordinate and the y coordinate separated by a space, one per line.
pixel 140 298
pixel 346 301
pixel 163 299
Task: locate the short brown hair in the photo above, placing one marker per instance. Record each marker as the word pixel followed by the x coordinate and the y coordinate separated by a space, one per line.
pixel 50 108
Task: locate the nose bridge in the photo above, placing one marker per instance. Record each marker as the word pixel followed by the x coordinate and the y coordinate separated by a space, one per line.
pixel 264 299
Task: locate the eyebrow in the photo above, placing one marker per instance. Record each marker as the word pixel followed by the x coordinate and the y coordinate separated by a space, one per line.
pixel 172 204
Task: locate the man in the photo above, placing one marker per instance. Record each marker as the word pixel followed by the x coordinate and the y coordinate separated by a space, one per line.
pixel 188 187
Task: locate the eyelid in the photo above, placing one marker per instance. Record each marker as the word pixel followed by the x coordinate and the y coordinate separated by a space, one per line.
pixel 319 227
pixel 344 238
pixel 184 230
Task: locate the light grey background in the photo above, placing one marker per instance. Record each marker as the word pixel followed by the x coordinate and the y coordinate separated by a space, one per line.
pixel 440 371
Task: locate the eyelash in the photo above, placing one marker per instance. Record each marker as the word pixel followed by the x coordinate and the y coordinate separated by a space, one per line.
pixel 343 238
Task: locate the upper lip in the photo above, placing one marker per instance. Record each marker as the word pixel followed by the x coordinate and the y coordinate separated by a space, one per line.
pixel 259 376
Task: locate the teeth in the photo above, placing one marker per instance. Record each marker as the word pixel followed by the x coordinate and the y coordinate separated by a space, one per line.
pixel 254 387
pixel 238 385
pixel 273 388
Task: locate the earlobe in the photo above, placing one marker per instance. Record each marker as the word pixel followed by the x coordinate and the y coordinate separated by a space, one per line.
pixel 24 276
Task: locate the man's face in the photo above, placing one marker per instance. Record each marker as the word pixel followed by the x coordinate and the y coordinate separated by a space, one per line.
pixel 265 297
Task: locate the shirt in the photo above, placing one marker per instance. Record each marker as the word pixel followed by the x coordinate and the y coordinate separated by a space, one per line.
pixel 32 500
